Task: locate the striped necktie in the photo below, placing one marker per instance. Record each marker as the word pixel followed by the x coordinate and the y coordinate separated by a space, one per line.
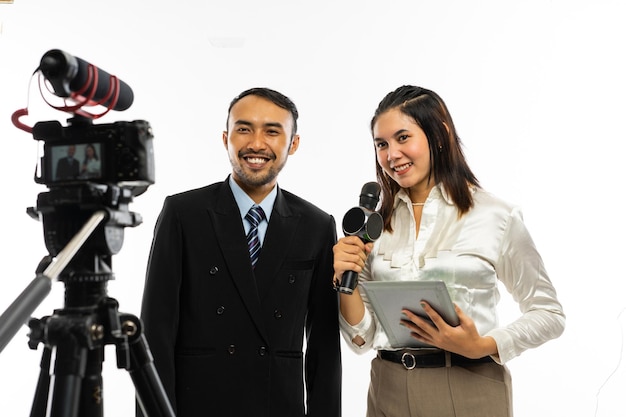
pixel 254 217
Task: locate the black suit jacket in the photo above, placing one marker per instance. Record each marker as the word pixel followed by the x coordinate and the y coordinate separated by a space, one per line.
pixel 227 341
pixel 67 169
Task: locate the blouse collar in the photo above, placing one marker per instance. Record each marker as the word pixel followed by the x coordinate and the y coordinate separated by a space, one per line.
pixel 438 192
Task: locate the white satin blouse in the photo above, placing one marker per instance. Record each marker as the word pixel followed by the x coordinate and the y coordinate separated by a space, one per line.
pixel 470 253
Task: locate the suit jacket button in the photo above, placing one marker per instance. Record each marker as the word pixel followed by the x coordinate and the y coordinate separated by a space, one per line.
pixel 292 279
pixel 231 349
pixel 220 310
pixel 262 351
pixel 278 314
pixel 214 270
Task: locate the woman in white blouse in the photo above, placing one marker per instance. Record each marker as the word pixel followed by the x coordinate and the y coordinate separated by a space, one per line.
pixel 440 225
pixel 91 164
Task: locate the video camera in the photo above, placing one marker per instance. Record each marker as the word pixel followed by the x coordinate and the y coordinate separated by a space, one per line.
pixel 88 167
pixel 92 173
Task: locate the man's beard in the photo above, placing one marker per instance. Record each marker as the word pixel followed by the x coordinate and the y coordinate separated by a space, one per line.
pixel 256 179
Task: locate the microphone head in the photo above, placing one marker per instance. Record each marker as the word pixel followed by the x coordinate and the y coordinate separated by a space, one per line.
pixel 59 68
pixel 370 194
pixel 366 224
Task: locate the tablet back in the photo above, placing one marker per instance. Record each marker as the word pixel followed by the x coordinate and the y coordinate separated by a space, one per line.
pixel 388 298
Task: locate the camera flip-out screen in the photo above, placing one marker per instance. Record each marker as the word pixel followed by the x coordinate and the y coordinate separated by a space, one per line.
pixel 83 161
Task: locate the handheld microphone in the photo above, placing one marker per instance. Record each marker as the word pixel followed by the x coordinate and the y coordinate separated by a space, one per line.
pixel 364 222
pixel 67 74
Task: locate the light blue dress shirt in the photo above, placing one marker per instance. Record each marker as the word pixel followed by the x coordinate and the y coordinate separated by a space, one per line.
pixel 244 202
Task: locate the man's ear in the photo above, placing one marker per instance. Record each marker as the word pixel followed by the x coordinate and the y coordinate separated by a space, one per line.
pixel 295 142
pixel 225 139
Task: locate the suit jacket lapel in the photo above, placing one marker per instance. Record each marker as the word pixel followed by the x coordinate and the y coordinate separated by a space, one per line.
pixel 280 232
pixel 232 242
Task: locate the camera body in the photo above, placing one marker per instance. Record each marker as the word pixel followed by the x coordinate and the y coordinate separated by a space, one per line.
pixel 119 153
pixel 90 168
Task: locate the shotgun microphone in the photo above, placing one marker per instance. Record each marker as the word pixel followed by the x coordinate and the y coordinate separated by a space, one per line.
pixel 69 74
pixel 362 221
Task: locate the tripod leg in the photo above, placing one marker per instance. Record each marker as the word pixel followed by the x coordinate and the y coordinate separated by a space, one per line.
pixel 40 402
pixel 151 395
pixel 91 401
pixel 69 370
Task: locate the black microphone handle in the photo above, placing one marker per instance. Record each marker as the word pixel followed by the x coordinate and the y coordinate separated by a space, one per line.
pixel 349 281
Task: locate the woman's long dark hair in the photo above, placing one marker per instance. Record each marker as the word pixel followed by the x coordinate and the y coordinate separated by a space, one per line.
pixel 95 153
pixel 448 164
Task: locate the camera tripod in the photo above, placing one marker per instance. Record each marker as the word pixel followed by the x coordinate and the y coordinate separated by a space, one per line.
pixel 78 333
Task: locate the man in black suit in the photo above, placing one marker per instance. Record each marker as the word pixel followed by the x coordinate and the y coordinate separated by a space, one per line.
pixel 227 337
pixel 68 166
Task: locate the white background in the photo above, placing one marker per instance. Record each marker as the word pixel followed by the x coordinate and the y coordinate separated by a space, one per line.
pixel 536 89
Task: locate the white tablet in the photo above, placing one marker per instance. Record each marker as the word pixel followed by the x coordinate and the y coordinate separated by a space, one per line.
pixel 388 298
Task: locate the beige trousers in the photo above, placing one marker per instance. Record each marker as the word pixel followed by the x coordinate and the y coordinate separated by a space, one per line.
pixel 481 390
